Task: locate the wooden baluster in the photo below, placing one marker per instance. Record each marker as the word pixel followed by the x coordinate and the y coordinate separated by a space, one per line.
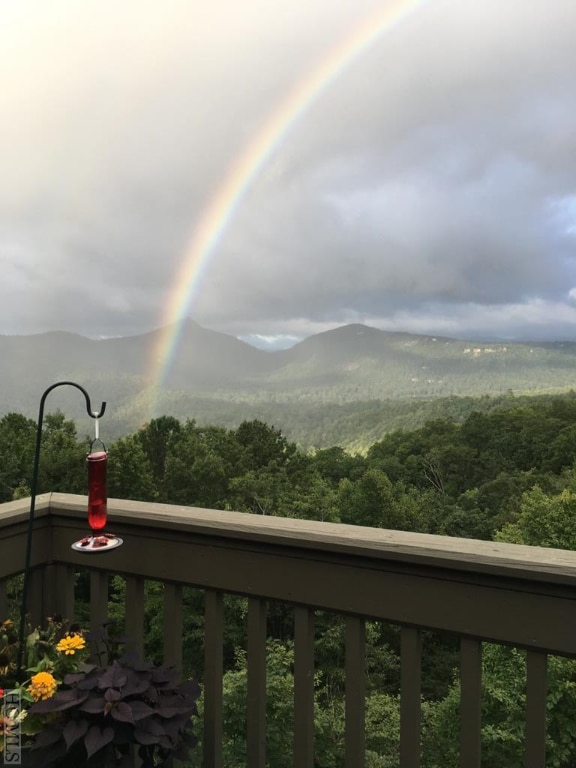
pixel 470 702
pixel 536 690
pixel 355 736
pixel 213 676
pixel 256 714
pixel 304 688
pixel 173 624
pixel 410 697
pixel 134 615
pixel 98 599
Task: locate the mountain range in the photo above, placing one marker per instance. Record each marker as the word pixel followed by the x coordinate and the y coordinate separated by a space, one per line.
pixel 218 377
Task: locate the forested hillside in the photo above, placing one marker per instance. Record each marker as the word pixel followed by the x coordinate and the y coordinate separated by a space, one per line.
pixel 354 426
pixel 508 474
pixel 348 386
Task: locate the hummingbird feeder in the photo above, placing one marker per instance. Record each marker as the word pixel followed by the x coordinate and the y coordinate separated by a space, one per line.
pixel 98 540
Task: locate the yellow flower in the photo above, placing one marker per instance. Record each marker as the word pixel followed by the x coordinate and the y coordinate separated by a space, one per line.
pixel 70 644
pixel 42 686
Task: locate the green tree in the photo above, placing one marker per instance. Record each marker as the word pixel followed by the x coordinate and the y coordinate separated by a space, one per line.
pixel 375 501
pixel 262 445
pixel 129 471
pixel 63 457
pixel 335 464
pixel 265 491
pixel 544 520
pixel 199 467
pixel 157 439
pixel 17 439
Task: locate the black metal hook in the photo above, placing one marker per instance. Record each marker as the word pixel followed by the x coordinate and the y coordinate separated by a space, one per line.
pixel 91 413
pixel 33 491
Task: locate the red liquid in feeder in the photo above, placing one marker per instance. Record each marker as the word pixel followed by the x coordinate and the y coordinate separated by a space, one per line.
pixel 97 493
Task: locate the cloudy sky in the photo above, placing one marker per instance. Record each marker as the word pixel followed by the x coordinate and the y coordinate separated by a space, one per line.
pixel 430 186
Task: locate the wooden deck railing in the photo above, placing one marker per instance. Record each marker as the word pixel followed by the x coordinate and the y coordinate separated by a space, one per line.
pixel 480 591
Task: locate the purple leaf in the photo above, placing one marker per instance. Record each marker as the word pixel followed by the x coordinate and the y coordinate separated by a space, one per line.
pixel 94 705
pixel 73 678
pixel 140 710
pixel 163 675
pixel 134 686
pixel 151 693
pixel 152 726
pixel 123 712
pixel 74 730
pixel 97 738
pixel 88 683
pixel 189 688
pixel 59 702
pixel 143 737
pixel 112 694
pixel 47 736
pixel 113 677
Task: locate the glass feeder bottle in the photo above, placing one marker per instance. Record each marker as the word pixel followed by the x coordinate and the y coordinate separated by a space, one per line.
pixel 97 492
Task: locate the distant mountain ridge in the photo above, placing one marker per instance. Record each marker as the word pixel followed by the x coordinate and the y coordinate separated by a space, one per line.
pixel 344 365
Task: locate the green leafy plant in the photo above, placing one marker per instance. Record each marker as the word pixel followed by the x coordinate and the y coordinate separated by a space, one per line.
pixel 108 709
pixel 75 713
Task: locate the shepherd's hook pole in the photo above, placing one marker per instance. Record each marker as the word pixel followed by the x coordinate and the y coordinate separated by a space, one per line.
pixel 33 491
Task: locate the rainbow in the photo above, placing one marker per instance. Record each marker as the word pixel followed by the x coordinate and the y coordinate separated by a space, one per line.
pixel 242 174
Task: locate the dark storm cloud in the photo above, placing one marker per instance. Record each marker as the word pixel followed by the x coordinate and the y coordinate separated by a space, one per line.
pixel 460 195
pixel 431 187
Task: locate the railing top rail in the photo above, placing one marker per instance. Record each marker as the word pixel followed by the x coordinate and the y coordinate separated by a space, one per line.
pixel 527 563
pixel 15 511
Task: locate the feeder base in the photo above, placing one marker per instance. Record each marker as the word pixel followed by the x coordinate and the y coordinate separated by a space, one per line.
pixel 101 542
